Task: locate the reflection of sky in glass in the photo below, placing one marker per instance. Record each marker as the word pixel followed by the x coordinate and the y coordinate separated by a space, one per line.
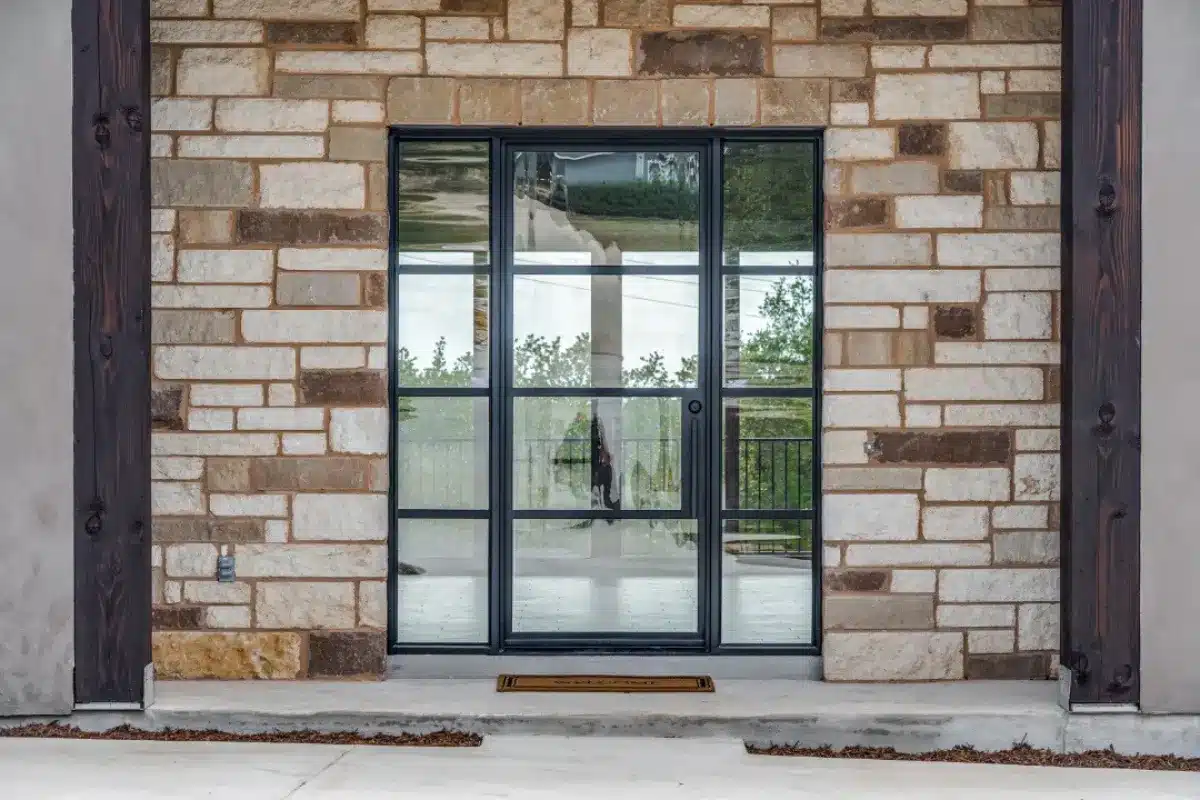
pixel 659 311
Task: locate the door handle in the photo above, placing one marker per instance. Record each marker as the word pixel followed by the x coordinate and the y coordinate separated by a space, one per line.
pixel 691 455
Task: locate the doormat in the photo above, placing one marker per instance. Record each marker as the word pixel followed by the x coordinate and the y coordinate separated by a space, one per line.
pixel 629 684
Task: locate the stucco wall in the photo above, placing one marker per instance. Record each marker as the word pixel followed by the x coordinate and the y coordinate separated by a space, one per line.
pixel 36 592
pixel 1171 361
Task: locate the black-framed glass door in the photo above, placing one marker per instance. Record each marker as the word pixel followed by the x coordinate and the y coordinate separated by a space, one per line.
pixel 604 350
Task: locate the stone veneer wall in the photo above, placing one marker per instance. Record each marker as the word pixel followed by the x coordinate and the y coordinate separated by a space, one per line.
pixel 941 291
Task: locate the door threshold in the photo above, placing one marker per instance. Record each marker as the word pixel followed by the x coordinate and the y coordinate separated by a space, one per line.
pixel 728 667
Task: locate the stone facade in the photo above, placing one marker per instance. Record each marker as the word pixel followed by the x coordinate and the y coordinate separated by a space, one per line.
pixel 941 297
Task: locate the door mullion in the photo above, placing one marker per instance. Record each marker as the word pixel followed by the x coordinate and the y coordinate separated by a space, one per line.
pixel 711 332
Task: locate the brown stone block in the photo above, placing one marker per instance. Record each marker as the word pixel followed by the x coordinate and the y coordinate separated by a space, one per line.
pixel 635 13
pixel 329 87
pixel 483 101
pixel 320 33
pixel 844 91
pixel 180 655
pixel 1017 24
pixel 832 350
pixel 421 100
pixel 554 102
pixel 954 322
pixel 357 144
pixel 313 474
pixel 963 181
pixel 794 101
pixel 1023 218
pixel 689 53
pixel 867 349
pixel 1022 106
pixel 205 227
pixel 377 290
pixel 1054 516
pixel 311 227
pixel 346 654
pixel 911 349
pixel 176 618
pixel 217 531
pixel 879 612
pixel 899 29
pixel 166 407
pixel 922 139
pixel 861 212
pixel 227 474
pixel 377 187
pixel 946 447
pixel 162 72
pixel 180 183
pixel 326 387
pixel 856 580
pixel 473 6
pixel 1009 666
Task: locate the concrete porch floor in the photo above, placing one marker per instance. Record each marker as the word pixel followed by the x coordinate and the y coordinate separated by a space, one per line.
pixel 989 715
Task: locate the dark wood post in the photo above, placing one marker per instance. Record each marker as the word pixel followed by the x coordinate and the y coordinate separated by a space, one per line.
pixel 112 349
pixel 1102 259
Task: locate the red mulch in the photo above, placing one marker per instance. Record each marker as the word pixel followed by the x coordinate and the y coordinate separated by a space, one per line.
pixel 1021 755
pixel 125 732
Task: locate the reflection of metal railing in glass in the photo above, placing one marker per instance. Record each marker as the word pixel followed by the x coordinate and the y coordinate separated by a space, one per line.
pixel 771 474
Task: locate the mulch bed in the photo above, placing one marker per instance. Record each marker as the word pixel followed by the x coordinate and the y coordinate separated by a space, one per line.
pixel 127 733
pixel 1021 755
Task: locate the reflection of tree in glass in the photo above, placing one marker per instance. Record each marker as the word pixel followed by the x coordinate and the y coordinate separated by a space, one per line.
pixel 768 197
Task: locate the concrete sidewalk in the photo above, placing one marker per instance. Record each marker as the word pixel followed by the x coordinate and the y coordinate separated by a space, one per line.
pixel 530 767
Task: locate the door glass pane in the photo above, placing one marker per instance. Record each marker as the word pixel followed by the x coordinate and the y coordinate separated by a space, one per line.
pixel 442 203
pixel 767 454
pixel 442 330
pixel 768 330
pixel 442 581
pixel 766 582
pixel 769 212
pixel 442 452
pixel 608 453
pixel 605 330
pixel 602 576
pixel 608 208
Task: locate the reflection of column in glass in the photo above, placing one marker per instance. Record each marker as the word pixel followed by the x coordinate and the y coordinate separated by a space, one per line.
pixel 607 439
pixel 732 367
pixel 479 379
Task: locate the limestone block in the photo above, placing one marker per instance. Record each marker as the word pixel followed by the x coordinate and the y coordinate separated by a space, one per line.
pixel 802 101
pixel 972 383
pixel 993 145
pixel 599 52
pixel 349 62
pixel 476 29
pixel 1036 477
pixel 162 257
pixel 843 317
pixel 307 327
pixel 955 522
pixel 225 297
pixel 878 250
pixel 226 266
pixel 554 102
pixel 281 419
pixel 919 8
pixel 999 249
pixel 870 517
pixel 212 592
pixel 515 59
pixel 914 581
pixel 272 116
pixel 685 101
pixel 214 444
pixel 393 32
pixel 178 183
pixel 186 655
pixel 885 612
pixel 222 71
pixel 1017 315
pixel 542 20
pixel 625 103
pixel 820 60
pixel 189 362
pixel 347 10
pixel 248 505
pixel 358 111
pixel 994 56
pixel 190 560
pixel 372 604
pixel 319 289
pixel 861 411
pixel 1026 548
pixel 976 616
pixel 210 419
pixel 860 144
pixel 901 177
pixel 1035 188
pixel 340 517
pixel 225 394
pixel 313 186
pixel 359 430
pixel 793 24
pixel 312 561
pixel 495 101
pixel 178 8
pixel 967 484
pixel 1012 585
pixel 919 555
pixel 893 655
pixel 303 444
pixel 176 469
pixel 176 499
pixel 206 32
pixel 251 147
pixel 181 114
pixel 844 447
pixel 350 259
pixel 927 96
pixel 1038 626
pixel 946 211
pixel 902 286
pixel 689 15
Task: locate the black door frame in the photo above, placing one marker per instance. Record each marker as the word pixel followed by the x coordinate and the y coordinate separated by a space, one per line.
pixel 710 390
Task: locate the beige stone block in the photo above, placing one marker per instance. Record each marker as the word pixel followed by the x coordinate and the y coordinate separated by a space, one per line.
pixel 281 394
pixel 338 62
pixel 893 655
pixel 793 24
pixel 860 144
pixel 918 555
pixel 541 20
pixel 1011 585
pixel 914 581
pixel 919 8
pixel 222 71
pixel 227 617
pixel 1038 626
pixel 854 317
pixel 973 383
pixel 850 114
pixel 843 8
pixel 625 103
pixel 190 560
pixel 957 523
pixel 162 257
pixel 179 184
pixel 979 642
pixel 899 56
pixel 1035 188
pixel 1004 415
pixel 162 220
pixel 404 5
pixel 1036 477
pixel 994 56
pixel 421 100
pixel 902 286
pixel 852 479
pixel 927 96
pixel 186 655
pixel 1017 315
pixel 372 604
pixel 359 430
pixel 685 102
pixel 992 615
pixel 340 517
pixel 993 145
pixel 322 10
pixel 795 101
pixel 861 411
pixel 318 289
pixel 1039 440
pixel 225 394
pixel 333 87
pixel 358 112
pixel 272 116
pixel 333 259
pixel 357 144
pixel 992 83
pixel 600 52
pixel 342 560
pixel 1020 517
pixel 248 505
pixel 965 484
pixel 510 59
pixel 735 101
pixel 554 102
pixel 844 447
pixel 214 444
pixel 161 146
pixel 206 32
pixel 878 250
pixel 205 227
pixel 393 32
pixel 179 114
pixel 999 249
pixel 695 15
pixel 901 177
pixel 490 101
pixel 301 444
pixel 1039 81
pixel 946 211
pixel 471 29
pixel 820 60
pixel 219 593
pixel 305 605
pixel 252 147
pixel 191 362
pixel 176 499
pixel 1051 145
pixel 870 517
pixel 922 416
pixel 197 297
pixel 880 612
pixel 309 327
pixel 1028 548
pixel 1015 280
pixel 281 419
pixel 226 266
pixel 178 8
pixel 176 469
